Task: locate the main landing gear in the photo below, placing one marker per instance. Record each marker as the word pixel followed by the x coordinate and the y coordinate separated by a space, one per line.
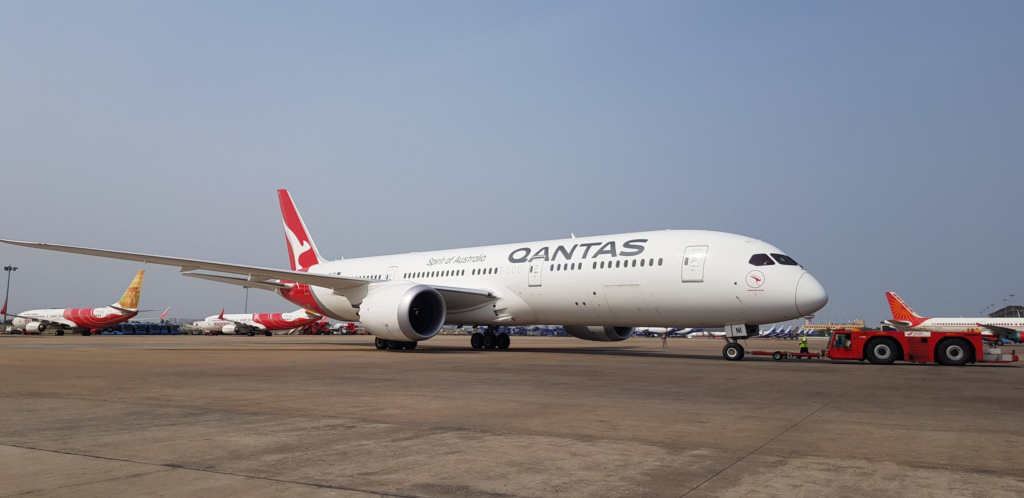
pixel 488 339
pixel 732 351
pixel 394 345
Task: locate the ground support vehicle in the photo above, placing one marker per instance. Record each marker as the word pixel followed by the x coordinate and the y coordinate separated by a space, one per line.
pixel 944 348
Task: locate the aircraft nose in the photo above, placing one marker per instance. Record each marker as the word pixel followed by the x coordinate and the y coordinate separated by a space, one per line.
pixel 810 295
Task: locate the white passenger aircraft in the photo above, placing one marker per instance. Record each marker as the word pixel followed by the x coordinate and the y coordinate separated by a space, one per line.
pixel 256 323
pixel 598 288
pixel 905 318
pixel 83 320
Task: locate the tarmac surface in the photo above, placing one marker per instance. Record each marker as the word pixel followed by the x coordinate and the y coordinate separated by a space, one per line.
pixel 332 416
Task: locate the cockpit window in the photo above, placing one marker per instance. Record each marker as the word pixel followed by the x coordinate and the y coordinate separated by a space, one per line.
pixel 785 260
pixel 761 260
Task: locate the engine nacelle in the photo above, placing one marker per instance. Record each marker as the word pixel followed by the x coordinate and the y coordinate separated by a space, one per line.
pixel 35 328
pixel 229 329
pixel 604 334
pixel 403 312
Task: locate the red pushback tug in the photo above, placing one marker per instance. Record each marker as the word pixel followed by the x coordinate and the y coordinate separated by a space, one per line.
pixel 884 348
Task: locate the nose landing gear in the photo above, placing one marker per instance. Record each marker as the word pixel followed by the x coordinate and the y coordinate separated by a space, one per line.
pixel 733 351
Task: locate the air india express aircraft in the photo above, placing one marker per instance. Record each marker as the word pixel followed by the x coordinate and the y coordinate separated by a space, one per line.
pixel 85 320
pixel 256 323
pixel 598 288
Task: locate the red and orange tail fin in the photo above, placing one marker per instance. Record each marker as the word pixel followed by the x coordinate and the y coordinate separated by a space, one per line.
pixel 900 310
pixel 302 252
pixel 221 317
pixel 164 315
pixel 4 311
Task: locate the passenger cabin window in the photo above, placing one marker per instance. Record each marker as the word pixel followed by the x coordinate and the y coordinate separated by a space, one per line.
pixel 761 260
pixel 785 260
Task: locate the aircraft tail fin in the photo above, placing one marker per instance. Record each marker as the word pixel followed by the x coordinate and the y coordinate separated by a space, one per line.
pixel 130 299
pixel 4 311
pixel 164 315
pixel 900 310
pixel 221 316
pixel 302 251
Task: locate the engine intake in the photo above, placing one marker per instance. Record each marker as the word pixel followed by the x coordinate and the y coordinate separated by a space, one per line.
pixel 403 312
pixel 35 328
pixel 604 334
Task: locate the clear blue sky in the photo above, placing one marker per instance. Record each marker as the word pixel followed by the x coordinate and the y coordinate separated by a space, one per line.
pixel 879 143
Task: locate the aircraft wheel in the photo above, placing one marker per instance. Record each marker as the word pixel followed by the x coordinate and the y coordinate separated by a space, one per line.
pixel 504 341
pixel 490 341
pixel 881 351
pixel 476 340
pixel 954 353
pixel 395 345
pixel 268 333
pixel 411 345
pixel 380 343
pixel 85 333
pixel 251 333
pixel 733 352
pixel 59 332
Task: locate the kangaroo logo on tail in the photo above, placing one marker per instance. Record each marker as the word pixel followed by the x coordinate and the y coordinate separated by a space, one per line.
pixel 900 310
pixel 302 252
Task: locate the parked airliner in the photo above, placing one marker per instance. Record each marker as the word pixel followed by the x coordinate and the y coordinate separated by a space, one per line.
pixel 598 288
pixel 84 320
pixel 905 318
pixel 256 323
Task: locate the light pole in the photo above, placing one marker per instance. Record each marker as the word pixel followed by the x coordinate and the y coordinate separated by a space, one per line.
pixel 9 268
pixel 246 300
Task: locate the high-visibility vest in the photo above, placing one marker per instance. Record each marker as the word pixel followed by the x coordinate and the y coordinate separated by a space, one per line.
pixel 803 343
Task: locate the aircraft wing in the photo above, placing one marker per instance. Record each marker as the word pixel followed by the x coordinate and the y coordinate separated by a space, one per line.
pixel 457 298
pixel 270 285
pixel 998 331
pixel 255 273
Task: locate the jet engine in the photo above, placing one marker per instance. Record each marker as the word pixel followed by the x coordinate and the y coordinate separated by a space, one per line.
pixel 604 334
pixel 35 328
pixel 403 312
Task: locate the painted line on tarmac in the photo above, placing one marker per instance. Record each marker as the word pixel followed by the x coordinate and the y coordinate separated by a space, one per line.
pixel 183 467
pixel 766 443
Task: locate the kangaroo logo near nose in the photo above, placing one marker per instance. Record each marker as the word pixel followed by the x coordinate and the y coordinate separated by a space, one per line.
pixel 755 279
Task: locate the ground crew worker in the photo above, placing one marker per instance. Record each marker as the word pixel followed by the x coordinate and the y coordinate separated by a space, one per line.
pixel 803 344
pixel 664 340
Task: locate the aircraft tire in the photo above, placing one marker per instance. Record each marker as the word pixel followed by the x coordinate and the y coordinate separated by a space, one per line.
pixel 953 353
pixel 411 345
pixel 490 341
pixel 251 333
pixel 380 343
pixel 59 332
pixel 733 352
pixel 395 345
pixel 268 333
pixel 881 351
pixel 504 341
pixel 476 340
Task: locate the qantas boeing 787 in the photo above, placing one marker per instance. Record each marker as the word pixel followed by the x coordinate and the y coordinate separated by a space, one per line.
pixel 598 288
